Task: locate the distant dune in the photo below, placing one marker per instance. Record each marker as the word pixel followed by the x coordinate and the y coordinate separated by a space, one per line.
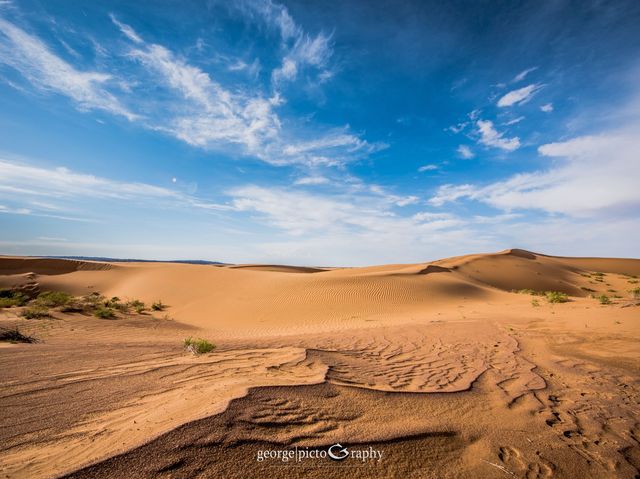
pixel 461 366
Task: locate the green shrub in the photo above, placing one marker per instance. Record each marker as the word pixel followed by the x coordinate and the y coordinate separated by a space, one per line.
pixel 35 312
pixel 93 298
pixel 137 305
pixel 52 299
pixel 633 281
pixel 588 290
pixel 599 274
pixel 604 299
pixel 10 297
pixel 556 297
pixel 198 346
pixel 535 303
pixel 115 303
pixel 158 306
pixel 104 312
pixel 635 292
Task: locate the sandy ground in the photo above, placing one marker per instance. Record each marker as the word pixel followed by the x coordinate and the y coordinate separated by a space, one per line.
pixel 439 365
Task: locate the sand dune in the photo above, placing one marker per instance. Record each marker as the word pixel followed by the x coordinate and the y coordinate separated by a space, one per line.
pixel 440 364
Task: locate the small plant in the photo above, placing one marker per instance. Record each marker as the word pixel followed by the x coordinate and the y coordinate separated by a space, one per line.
pixel 158 306
pixel 52 299
pixel 92 300
pixel 588 290
pixel 598 274
pixel 604 299
pixel 15 336
pixel 137 305
pixel 611 290
pixel 530 291
pixel 198 346
pixel 104 312
pixel 556 297
pixel 35 312
pixel 9 298
pixel 635 292
pixel 535 303
pixel 633 281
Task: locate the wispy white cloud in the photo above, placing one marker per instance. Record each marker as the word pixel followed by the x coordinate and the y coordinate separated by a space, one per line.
pixel 129 32
pixel 48 72
pixel 424 168
pixel 300 213
pixel 521 76
pixel 27 185
pixel 519 96
pixel 306 51
pixel 581 184
pixel 301 49
pixel 489 136
pixel 192 106
pixel 465 152
pixel 312 180
pixel 514 121
pixel 547 108
pixel 212 116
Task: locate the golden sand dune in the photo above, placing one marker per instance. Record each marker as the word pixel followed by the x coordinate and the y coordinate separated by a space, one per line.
pixel 440 364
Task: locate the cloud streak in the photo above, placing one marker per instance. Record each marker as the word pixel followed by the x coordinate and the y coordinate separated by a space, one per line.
pixel 48 72
pixel 581 185
pixel 489 136
pixel 519 96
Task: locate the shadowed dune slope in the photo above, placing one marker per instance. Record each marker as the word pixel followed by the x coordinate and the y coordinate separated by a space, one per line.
pixel 50 266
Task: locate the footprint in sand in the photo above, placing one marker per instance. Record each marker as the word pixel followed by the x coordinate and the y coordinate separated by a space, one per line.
pixel 517 464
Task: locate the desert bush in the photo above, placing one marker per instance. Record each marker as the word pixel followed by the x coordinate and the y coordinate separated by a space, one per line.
pixel 635 292
pixel 556 297
pixel 52 299
pixel 158 306
pixel 600 275
pixel 604 299
pixel 530 291
pixel 104 312
pixel 588 290
pixel 9 298
pixel 535 303
pixel 15 336
pixel 115 303
pixel 35 312
pixel 633 281
pixel 137 305
pixel 90 302
pixel 198 346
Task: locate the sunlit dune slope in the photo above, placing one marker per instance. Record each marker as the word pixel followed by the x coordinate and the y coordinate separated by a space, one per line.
pixel 253 297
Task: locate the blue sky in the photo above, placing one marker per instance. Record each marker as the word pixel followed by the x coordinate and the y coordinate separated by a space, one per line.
pixel 328 133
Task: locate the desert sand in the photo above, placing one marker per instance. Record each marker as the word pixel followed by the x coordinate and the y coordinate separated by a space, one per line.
pixel 441 365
